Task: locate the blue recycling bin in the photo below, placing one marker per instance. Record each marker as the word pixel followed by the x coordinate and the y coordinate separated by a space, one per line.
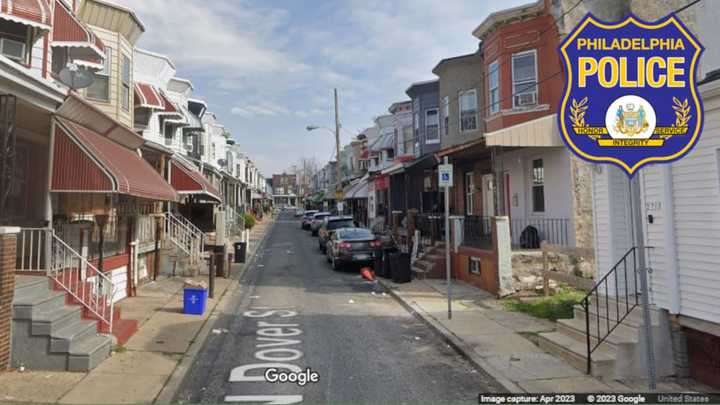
pixel 194 301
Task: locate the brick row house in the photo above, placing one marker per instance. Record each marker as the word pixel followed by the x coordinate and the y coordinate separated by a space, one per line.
pixel 100 182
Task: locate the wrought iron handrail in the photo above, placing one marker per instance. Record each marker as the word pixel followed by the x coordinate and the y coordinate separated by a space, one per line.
pixel 621 309
pixel 70 271
pixel 189 240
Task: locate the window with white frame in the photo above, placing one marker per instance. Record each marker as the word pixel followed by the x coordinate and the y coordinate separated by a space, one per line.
pixel 126 67
pixel 432 126
pixel 12 49
pixel 100 87
pixel 494 87
pixel 468 110
pixel 538 185
pixel 446 114
pixel 469 193
pixel 524 74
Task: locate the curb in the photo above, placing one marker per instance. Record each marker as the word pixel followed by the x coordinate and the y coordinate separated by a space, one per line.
pixel 173 383
pixel 462 348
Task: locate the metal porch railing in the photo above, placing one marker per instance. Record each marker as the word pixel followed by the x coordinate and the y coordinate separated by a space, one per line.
pixel 621 286
pixel 188 238
pixel 552 230
pixel 477 231
pixel 41 250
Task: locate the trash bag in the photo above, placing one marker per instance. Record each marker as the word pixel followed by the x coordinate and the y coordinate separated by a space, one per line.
pixel 530 238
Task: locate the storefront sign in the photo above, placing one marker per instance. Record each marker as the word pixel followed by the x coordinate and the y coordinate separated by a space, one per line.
pixel 631 97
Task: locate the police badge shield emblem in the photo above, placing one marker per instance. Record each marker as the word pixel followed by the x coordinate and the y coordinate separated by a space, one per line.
pixel 631 95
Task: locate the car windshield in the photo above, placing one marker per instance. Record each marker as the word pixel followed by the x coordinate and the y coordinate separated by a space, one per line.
pixel 340 223
pixel 355 234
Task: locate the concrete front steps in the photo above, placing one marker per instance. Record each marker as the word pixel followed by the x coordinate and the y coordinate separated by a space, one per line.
pixel 611 359
pixel 51 332
pixel 432 262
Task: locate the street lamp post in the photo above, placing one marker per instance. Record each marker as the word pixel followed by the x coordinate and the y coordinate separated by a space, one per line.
pixel 338 184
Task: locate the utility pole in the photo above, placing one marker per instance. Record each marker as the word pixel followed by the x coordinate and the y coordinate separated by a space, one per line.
pixel 338 188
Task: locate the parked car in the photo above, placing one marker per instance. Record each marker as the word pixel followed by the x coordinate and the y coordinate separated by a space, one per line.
pixel 299 212
pixel 317 221
pixel 351 246
pixel 330 225
pixel 307 218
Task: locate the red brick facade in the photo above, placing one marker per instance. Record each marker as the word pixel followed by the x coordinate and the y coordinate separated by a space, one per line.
pixel 539 34
pixel 8 244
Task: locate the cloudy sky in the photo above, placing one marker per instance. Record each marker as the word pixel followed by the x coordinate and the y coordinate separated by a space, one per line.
pixel 267 67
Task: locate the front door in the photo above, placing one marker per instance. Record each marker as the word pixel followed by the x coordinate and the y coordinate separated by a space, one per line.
pixel 488 192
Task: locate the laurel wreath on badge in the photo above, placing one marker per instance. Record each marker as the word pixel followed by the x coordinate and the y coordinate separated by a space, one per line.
pixel 578 109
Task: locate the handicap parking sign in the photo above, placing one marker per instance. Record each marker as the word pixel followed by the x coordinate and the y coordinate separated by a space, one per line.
pixel 445 175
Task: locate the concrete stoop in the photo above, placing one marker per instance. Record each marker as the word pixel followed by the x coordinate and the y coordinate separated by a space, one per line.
pixel 432 262
pixel 48 334
pixel 622 354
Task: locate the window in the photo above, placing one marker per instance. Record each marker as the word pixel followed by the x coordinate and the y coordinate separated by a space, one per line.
pixel 469 193
pixel 126 83
pixel 100 88
pixel 475 267
pixel 524 73
pixel 538 186
pixel 408 139
pixel 494 87
pixel 446 114
pixel 468 110
pixel 12 49
pixel 432 126
pixel 390 154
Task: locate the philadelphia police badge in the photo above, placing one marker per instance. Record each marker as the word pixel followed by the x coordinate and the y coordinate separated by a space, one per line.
pixel 630 97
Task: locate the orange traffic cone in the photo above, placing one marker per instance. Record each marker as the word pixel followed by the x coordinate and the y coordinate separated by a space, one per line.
pixel 367 273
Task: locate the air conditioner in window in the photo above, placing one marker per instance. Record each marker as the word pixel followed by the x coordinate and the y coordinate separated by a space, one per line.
pixel 525 99
pixel 14 50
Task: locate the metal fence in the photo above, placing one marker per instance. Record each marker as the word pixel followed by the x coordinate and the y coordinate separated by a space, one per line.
pixel 527 233
pixel 431 227
pixel 477 231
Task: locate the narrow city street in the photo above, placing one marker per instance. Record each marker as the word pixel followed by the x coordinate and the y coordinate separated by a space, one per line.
pixel 365 347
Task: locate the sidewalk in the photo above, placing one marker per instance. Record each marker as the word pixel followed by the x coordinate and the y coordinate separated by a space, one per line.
pixel 500 342
pixel 137 372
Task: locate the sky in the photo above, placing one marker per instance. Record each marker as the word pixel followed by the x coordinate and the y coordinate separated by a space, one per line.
pixel 267 68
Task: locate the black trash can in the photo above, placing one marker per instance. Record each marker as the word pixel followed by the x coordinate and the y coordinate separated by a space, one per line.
pixel 387 261
pixel 240 251
pixel 378 263
pixel 401 272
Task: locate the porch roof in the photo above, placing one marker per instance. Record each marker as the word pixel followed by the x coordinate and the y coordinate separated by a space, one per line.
pixel 69 32
pixel 188 180
pixel 357 190
pixel 538 132
pixel 86 161
pixel 34 13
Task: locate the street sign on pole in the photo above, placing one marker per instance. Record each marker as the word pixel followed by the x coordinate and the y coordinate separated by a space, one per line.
pixel 445 180
pixel 445 175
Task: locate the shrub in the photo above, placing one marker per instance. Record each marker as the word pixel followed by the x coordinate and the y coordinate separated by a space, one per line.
pixel 557 306
pixel 249 220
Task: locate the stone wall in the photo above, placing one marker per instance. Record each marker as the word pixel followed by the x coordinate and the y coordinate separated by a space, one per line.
pixel 8 245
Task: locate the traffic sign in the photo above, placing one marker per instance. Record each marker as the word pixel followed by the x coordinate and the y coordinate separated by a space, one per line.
pixel 445 175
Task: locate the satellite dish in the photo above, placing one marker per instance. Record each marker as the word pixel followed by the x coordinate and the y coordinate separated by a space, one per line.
pixel 76 77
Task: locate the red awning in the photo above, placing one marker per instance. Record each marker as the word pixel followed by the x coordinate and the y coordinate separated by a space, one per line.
pixel 148 96
pixel 69 32
pixel 188 180
pixel 169 106
pixel 85 161
pixel 35 13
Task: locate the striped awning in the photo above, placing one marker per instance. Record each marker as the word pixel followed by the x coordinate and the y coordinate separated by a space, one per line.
pixel 148 96
pixel 86 162
pixel 187 180
pixel 84 47
pixel 34 13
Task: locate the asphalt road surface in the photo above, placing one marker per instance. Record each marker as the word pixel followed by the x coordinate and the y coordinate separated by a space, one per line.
pixel 294 312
